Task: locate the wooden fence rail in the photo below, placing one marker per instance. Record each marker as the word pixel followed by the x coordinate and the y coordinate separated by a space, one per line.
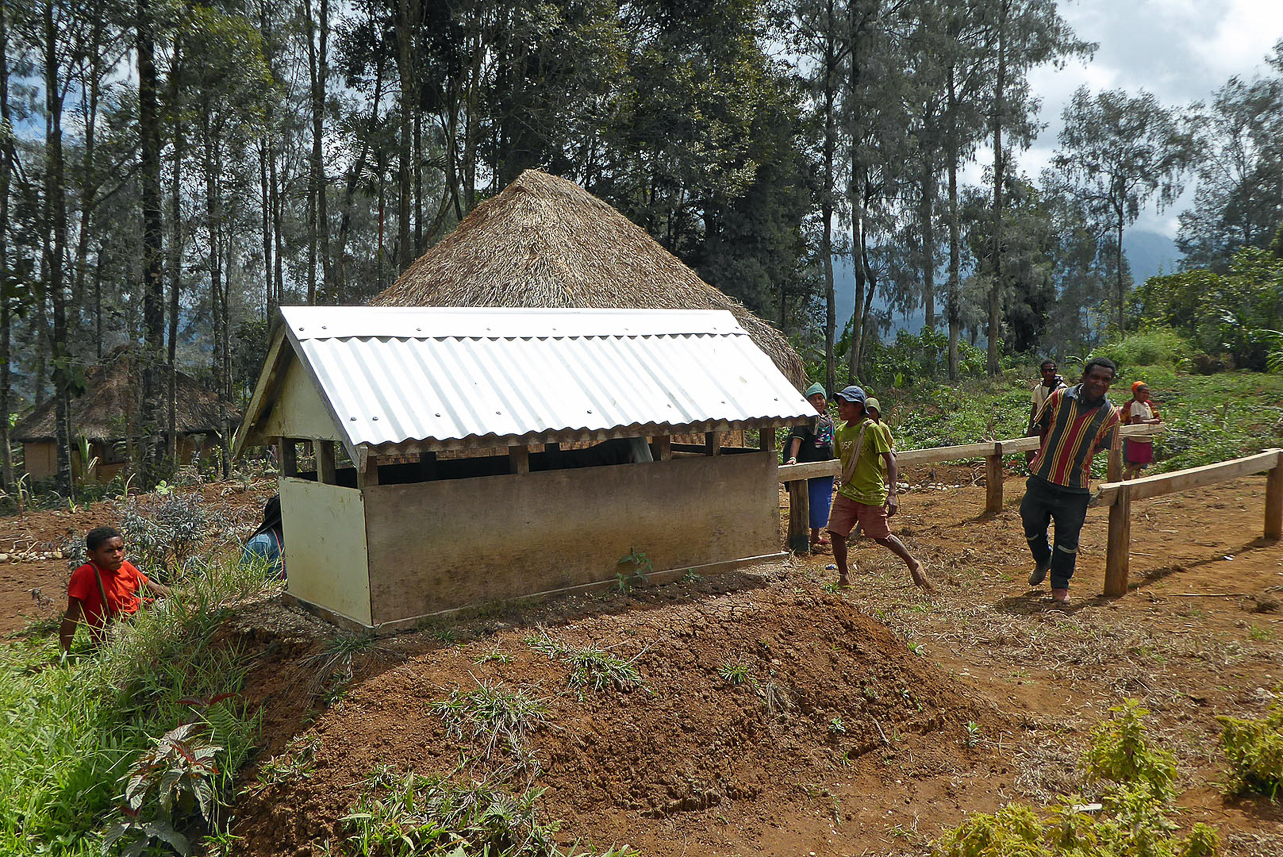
pixel 795 475
pixel 1118 496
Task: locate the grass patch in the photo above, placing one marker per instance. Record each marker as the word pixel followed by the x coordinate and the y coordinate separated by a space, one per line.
pixel 77 729
pixel 494 716
pixel 418 815
pixel 591 667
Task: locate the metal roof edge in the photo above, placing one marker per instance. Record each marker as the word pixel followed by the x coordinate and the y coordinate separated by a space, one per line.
pixel 312 323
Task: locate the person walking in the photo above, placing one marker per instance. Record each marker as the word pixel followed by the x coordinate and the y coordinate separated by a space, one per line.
pixel 1138 452
pixel 807 444
pixel 1074 423
pixel 1048 382
pixel 864 495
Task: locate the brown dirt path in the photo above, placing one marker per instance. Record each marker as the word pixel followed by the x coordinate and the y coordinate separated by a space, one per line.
pixel 698 766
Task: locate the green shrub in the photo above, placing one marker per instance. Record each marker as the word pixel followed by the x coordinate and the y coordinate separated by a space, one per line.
pixel 1134 820
pixel 1157 346
pixel 1120 752
pixel 1255 750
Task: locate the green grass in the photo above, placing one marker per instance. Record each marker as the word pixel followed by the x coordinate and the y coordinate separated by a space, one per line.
pixel 1209 418
pixel 74 728
pixel 493 715
pixel 591 667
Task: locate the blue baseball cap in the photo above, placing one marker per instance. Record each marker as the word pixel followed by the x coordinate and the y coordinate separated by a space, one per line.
pixel 851 394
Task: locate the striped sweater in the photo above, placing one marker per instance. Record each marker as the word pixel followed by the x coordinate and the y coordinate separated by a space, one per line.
pixel 1071 435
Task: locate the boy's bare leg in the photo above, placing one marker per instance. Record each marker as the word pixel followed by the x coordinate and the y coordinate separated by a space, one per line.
pixel 915 568
pixel 839 558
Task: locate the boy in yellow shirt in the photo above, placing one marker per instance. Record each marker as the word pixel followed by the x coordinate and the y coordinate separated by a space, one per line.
pixel 863 496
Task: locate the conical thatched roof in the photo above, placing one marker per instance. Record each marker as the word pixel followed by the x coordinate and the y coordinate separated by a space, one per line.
pixel 546 242
pixel 100 413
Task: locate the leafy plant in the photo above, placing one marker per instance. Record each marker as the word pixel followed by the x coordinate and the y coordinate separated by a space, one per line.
pixel 641 571
pixel 591 667
pixel 974 733
pixel 1254 749
pixel 734 672
pixel 1120 752
pixel 167 782
pixel 837 727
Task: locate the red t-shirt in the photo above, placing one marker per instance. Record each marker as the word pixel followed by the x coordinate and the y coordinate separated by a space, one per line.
pixel 121 587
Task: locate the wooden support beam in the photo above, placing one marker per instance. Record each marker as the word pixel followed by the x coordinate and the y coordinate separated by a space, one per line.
pixel 428 465
pixel 766 439
pixel 325 469
pixel 1183 480
pixel 519 459
pixel 712 443
pixel 1274 502
pixel 1118 552
pixel 289 456
pixel 661 448
pixel 811 469
pixel 1020 444
pixel 799 537
pixel 368 476
pixel 993 480
pixel 1114 471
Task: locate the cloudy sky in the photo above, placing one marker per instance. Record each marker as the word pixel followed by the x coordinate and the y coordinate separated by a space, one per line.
pixel 1180 50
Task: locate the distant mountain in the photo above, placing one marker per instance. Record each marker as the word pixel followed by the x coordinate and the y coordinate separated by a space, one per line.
pixel 1150 254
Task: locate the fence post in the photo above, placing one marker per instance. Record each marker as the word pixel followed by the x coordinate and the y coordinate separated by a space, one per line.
pixel 1118 553
pixel 993 480
pixel 799 517
pixel 1114 472
pixel 1274 501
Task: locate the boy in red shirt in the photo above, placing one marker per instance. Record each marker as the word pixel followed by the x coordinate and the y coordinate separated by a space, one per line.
pixel 104 588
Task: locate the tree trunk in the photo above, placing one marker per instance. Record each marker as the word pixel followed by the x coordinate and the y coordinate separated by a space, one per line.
pixel 175 272
pixel 6 323
pixel 927 215
pixel 826 200
pixel 995 286
pixel 55 212
pixel 407 22
pixel 954 307
pixel 153 235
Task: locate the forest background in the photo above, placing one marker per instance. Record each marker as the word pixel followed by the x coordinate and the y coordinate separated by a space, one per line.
pixel 172 171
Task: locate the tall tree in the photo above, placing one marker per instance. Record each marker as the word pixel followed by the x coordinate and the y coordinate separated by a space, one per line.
pixel 1024 34
pixel 153 262
pixel 1118 152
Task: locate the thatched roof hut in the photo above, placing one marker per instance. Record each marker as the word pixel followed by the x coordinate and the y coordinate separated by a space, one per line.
pixel 545 242
pixel 111 391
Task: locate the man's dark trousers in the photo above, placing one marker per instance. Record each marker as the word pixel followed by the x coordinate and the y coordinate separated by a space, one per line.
pixel 1045 502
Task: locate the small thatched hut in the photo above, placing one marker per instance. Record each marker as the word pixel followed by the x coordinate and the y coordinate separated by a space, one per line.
pixel 545 242
pixel 103 415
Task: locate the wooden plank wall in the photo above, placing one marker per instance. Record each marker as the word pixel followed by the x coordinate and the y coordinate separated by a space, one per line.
pixel 441 545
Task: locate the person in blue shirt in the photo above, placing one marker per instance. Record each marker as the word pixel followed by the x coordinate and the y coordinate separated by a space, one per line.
pixel 267 544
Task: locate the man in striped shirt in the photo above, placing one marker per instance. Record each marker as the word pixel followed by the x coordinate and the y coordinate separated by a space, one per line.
pixel 1074 423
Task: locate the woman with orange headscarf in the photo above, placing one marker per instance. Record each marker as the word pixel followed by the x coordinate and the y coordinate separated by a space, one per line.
pixel 1138 452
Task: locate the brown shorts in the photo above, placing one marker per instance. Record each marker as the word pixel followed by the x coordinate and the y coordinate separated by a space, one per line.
pixel 846 513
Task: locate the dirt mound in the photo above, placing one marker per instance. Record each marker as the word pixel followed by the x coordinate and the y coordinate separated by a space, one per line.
pixel 820 686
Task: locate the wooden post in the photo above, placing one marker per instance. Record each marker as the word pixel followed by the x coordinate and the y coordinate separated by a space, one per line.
pixel 1114 471
pixel 289 456
pixel 325 469
pixel 766 439
pixel 993 480
pixel 712 443
pixel 368 476
pixel 428 465
pixel 799 517
pixel 1274 501
pixel 661 448
pixel 1118 553
pixel 519 459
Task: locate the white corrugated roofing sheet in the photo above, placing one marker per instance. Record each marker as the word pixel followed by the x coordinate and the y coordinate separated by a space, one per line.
pixel 448 377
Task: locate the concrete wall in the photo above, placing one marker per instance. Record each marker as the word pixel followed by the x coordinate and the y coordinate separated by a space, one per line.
pixel 325 547
pixel 445 544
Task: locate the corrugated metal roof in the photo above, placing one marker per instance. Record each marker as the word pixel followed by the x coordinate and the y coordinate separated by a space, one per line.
pixel 448 377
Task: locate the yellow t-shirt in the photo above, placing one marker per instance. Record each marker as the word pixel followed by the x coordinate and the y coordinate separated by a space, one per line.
pixel 867 484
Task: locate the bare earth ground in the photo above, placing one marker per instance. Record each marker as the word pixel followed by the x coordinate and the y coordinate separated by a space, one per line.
pixel 849 736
